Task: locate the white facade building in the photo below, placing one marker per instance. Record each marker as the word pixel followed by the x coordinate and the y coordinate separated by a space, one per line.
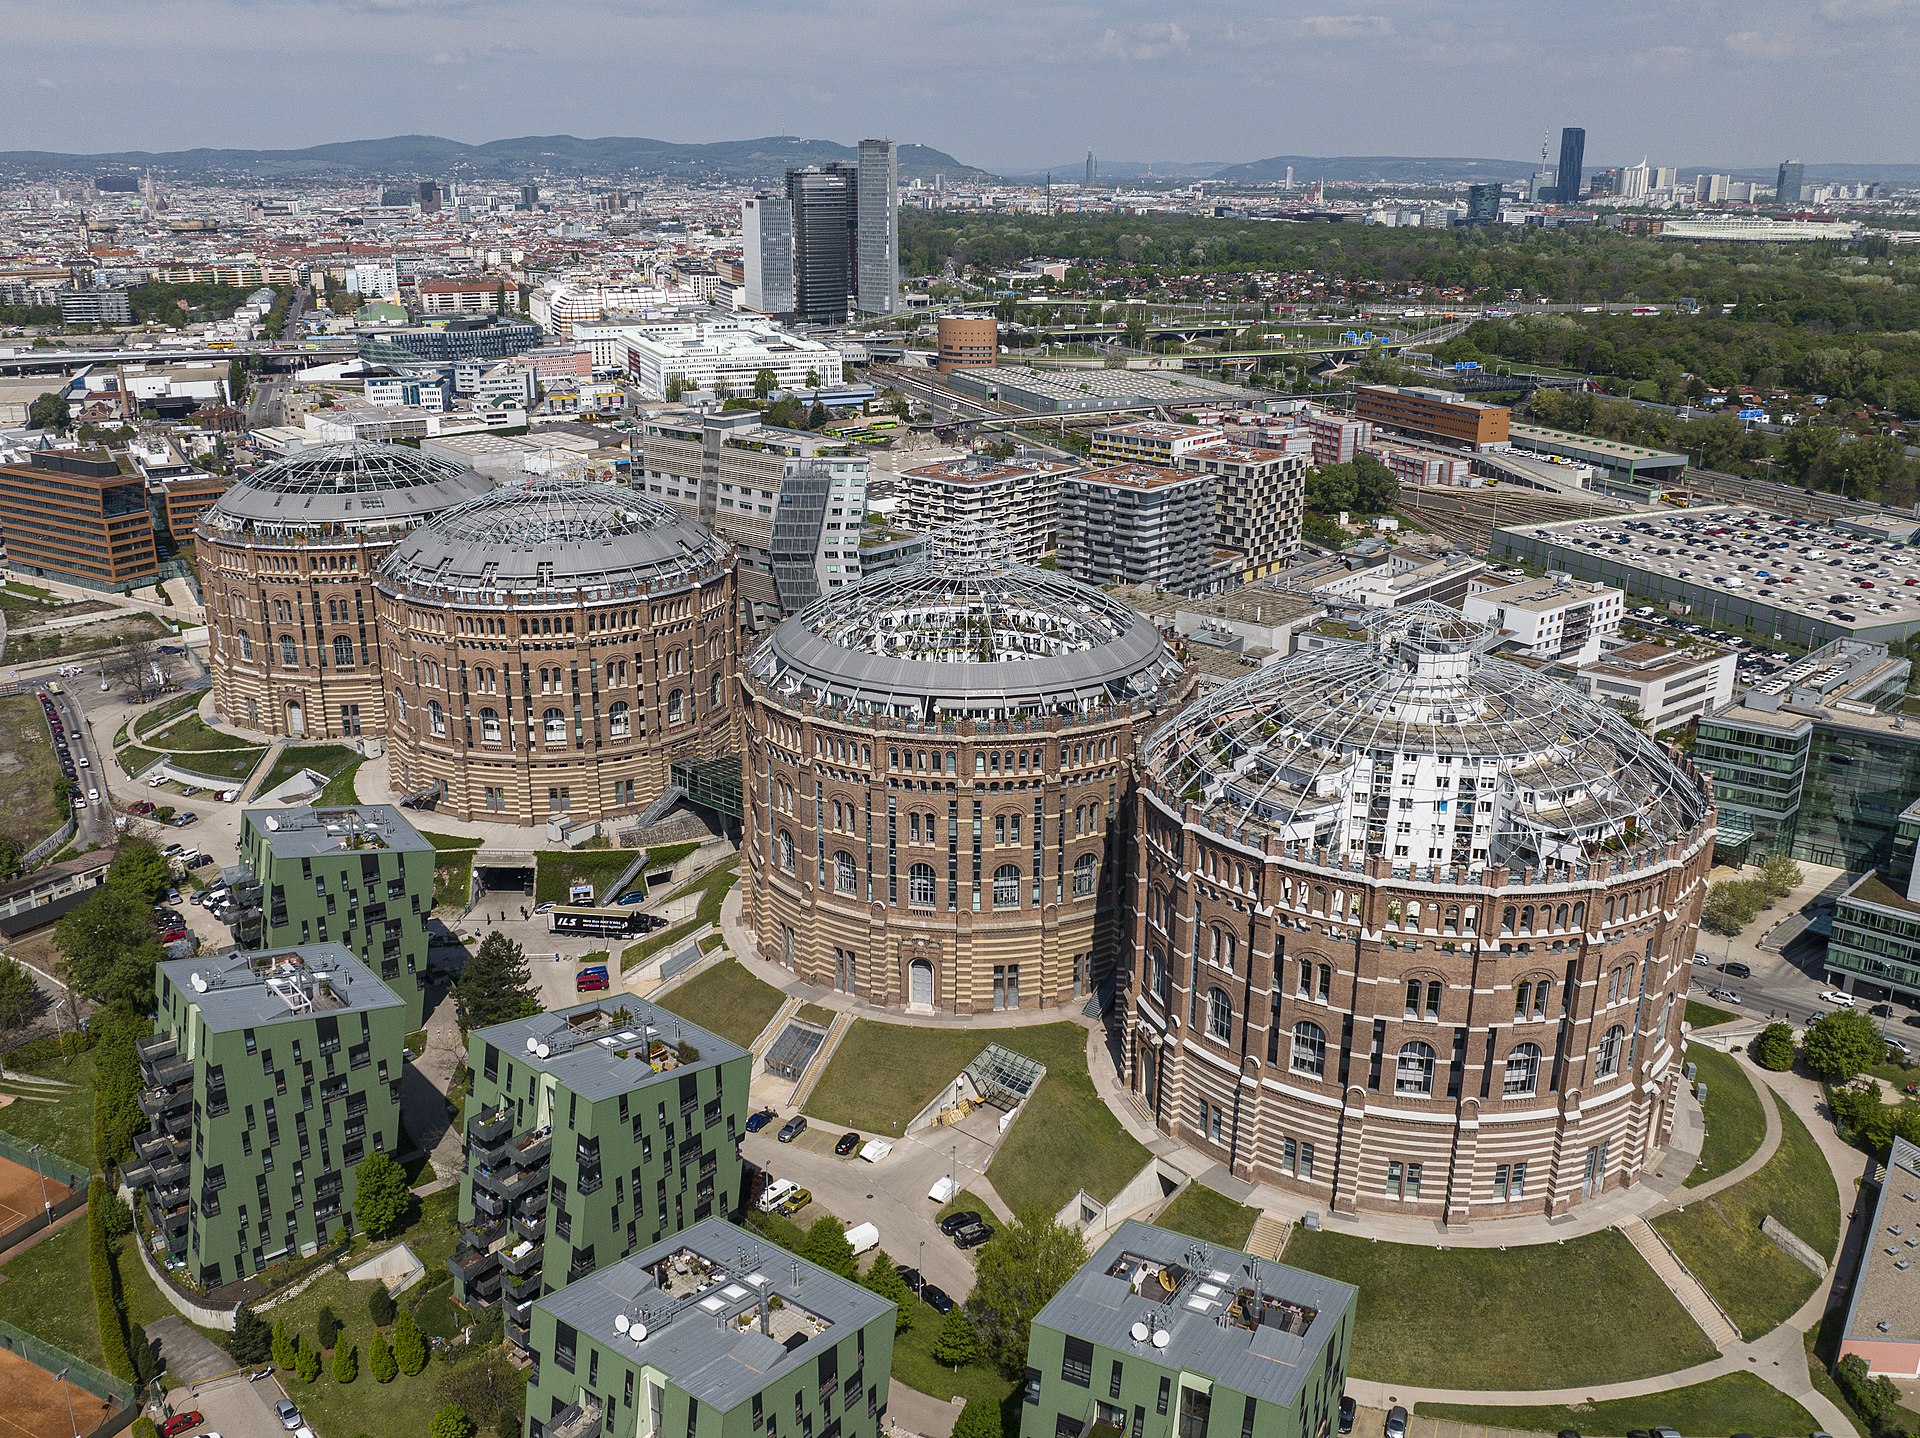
pixel 1666 686
pixel 732 352
pixel 1550 617
pixel 559 305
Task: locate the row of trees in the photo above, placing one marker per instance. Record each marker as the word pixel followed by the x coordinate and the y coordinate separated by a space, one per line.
pixel 1732 904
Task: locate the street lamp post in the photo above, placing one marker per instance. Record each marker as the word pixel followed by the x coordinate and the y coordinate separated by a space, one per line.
pixel 67 1388
pixel 921 1268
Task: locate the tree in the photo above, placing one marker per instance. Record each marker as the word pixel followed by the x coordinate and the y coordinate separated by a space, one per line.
pixel 409 1348
pixel 450 1422
pixel 813 379
pixel 1027 1263
pixel 1840 1046
pixel 1136 326
pixel 884 1279
pixel 817 415
pixel 1773 1050
pixel 20 996
pixel 12 858
pixel 381 1198
pixel 1375 488
pixel 826 1245
pixel 380 1358
pixel 1730 905
pixel 1780 875
pixel 286 1348
pixel 676 386
pixel 380 1306
pixel 140 871
pixel 251 1340
pixel 979 1419
pixel 307 1363
pixel 48 411
pixel 765 383
pixel 956 1344
pixel 484 1389
pixel 346 1363
pixel 109 950
pixel 495 987
pixel 328 1326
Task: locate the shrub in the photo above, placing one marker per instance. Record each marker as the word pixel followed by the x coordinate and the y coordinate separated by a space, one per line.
pixel 380 1359
pixel 251 1340
pixel 979 1419
pixel 380 1306
pixel 346 1363
pixel 956 1345
pixel 116 1355
pixel 450 1422
pixel 1843 1045
pixel 381 1198
pixel 286 1348
pixel 307 1365
pixel 409 1348
pixel 1773 1050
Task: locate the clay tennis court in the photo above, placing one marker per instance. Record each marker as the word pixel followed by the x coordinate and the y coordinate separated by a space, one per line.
pixel 20 1193
pixel 33 1403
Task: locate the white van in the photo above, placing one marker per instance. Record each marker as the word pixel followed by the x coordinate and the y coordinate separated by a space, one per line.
pixel 775 1193
pixel 864 1237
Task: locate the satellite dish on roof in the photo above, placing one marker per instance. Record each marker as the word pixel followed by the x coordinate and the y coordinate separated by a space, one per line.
pixel 638 1332
pixel 1161 1337
pixel 622 1323
pixel 273 823
pixel 533 1044
pixel 545 1050
pixel 1138 1332
pixel 198 980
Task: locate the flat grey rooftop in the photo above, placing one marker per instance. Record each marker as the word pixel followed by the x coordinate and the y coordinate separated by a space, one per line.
pixel 307 833
pixel 696 1298
pixel 1299 1313
pixel 600 1050
pixel 267 986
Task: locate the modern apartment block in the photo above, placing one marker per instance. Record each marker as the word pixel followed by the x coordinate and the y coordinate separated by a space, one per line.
pixel 1135 524
pixel 713 1334
pixel 357 875
pixel 1666 687
pixel 1258 500
pixel 272 1075
pixel 1337 438
pixel 76 517
pixel 1151 441
pixel 1017 499
pixel 1161 1334
pixel 592 1131
pixel 1438 415
pixel 1551 616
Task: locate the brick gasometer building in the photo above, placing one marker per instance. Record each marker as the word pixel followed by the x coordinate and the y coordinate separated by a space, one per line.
pixel 552 648
pixel 937 782
pixel 1413 929
pixel 286 563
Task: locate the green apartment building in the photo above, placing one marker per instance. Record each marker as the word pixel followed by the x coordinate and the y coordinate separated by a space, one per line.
pixel 1162 1335
pixel 715 1333
pixel 592 1131
pixel 272 1075
pixel 358 875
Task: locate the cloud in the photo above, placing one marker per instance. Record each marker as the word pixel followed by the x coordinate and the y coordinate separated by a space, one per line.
pixel 503 50
pixel 1764 44
pixel 1345 27
pixel 1152 41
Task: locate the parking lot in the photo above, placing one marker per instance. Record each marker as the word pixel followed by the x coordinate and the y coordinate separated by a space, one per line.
pixel 232 1407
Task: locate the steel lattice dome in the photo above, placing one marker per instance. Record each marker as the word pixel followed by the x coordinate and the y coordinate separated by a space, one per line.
pixel 1420 726
pixel 967 633
pixel 556 537
pixel 357 485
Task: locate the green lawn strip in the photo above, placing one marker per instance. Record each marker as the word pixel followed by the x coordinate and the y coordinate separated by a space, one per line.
pixel 1719 1237
pixel 712 888
pixel 1416 1301
pixel 64 1126
pixel 1705 1016
pixel 340 788
pixel 46 1292
pixel 1736 1124
pixel 151 721
pixel 323 759
pixel 190 731
pixel 665 856
pixel 220 763
pixel 967 1201
pixel 814 1014
pixel 915 1366
pixel 883 1074
pixel 29 809
pixel 726 1000
pixel 135 761
pixel 553 873
pixel 1733 1403
pixel 1201 1212
pixel 1066 1138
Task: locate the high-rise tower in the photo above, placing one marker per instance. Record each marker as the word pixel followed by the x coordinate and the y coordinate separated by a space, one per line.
pixel 1786 190
pixel 876 226
pixel 1573 153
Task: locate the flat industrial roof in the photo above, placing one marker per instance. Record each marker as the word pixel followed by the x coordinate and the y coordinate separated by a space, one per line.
pixel 251 990
pixel 1886 1294
pixel 306 833
pixel 1616 447
pixel 600 1050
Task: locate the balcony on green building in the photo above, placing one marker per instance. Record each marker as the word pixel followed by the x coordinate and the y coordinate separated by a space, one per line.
pixel 576 1420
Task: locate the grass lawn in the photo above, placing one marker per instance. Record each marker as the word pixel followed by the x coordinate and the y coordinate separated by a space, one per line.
pixel 1735 1121
pixel 151 721
pixel 135 761
pixel 967 1201
pixel 452 869
pixel 1066 1138
pixel 1705 1016
pixel 1736 1403
pixel 553 873
pixel 1719 1238
pixel 814 1014
pixel 883 1074
pixel 65 1126
pixel 1416 1301
pixel 726 1000
pixel 46 1291
pixel 190 731
pixel 340 788
pixel 326 759
pixel 915 1366
pixel 28 771
pixel 233 764
pixel 712 888
pixel 1200 1212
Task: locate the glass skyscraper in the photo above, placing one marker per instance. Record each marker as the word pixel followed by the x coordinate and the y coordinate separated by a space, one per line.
pixel 1573 153
pixel 823 214
pixel 1786 190
pixel 877 230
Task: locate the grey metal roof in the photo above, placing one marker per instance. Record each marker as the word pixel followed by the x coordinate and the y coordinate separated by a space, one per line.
pixel 305 833
pixel 1268 1359
pixel 965 633
pixel 594 1053
pixel 266 986
pixel 551 539
pixel 354 487
pixel 694 1333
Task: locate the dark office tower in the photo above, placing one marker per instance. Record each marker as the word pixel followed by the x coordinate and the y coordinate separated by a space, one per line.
pixel 1093 170
pixel 529 197
pixel 429 198
pixel 1573 152
pixel 1483 204
pixel 1787 190
pixel 823 203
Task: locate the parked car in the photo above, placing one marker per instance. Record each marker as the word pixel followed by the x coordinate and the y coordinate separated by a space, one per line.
pixel 181 1423
pixel 184 818
pixel 1347 1410
pixel 954 1222
pixel 972 1236
pixel 632 896
pixel 1881 1011
pixel 1839 998
pixel 199 860
pixel 1726 996
pixel 288 1413
pixel 794 1202
pixel 792 1128
pixel 592 981
pixel 1396 1422
pixel 760 1118
pixel 1737 970
pixel 847 1144
pixel 142 807
pixel 936 1298
pixel 912 1277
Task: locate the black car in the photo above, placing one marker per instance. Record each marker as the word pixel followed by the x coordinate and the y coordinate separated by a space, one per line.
pixel 1347 1407
pixel 936 1298
pixel 1881 1011
pixel 911 1277
pixel 954 1222
pixel 1737 970
pixel 972 1236
pixel 792 1128
pixel 847 1144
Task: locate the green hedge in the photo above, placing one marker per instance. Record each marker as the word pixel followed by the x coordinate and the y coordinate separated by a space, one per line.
pixel 110 1306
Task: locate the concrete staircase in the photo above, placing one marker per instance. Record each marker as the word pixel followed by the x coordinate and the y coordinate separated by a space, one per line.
pixel 1269 1237
pixel 1684 1286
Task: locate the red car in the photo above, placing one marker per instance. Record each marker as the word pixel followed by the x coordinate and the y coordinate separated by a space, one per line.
pixel 140 806
pixel 180 1423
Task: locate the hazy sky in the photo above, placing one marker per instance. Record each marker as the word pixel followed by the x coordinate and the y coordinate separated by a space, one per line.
pixel 999 83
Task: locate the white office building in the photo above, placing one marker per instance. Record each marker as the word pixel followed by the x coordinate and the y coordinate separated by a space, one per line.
pixel 766 241
pixel 730 352
pixel 1549 617
pixel 559 305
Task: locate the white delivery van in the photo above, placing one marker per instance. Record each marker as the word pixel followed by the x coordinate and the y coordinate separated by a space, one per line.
pixel 864 1237
pixel 775 1193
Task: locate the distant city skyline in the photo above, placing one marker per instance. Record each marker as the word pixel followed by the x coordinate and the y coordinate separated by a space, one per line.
pixel 1831 80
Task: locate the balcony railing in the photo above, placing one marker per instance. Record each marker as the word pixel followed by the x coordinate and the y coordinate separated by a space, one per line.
pixel 575 1421
pixel 523 1257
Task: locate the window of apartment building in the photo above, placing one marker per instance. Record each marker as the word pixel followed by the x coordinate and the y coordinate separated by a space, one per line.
pixel 1076 1362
